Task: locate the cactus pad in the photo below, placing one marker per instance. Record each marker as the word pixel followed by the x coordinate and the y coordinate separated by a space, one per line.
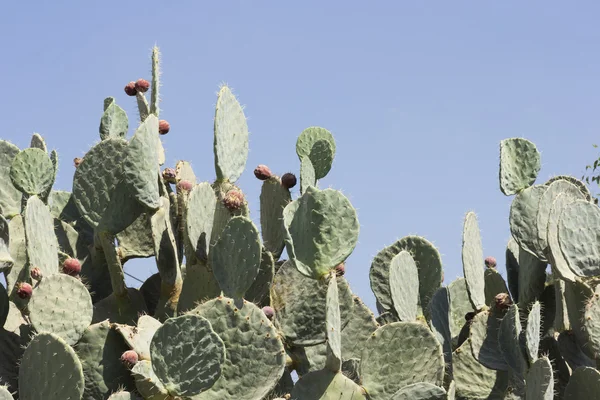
pixel 519 165
pixel 235 258
pixel 508 341
pixel 147 383
pixel 404 286
pixel 50 369
pixel 32 171
pixel 473 380
pixel 5 394
pixel 42 245
pixel 307 174
pixel 484 340
pixel 255 355
pixel 523 219
pixel 308 145
pixel 199 218
pixel 327 385
pixel 333 326
pixel 322 231
pixel 361 324
pixel 579 237
pixel 187 355
pixel 6 260
pixel 231 137
pixel 138 338
pixel 273 199
pixel 559 263
pixel 140 166
pixel 540 381
pixel 584 384
pixel 420 391
pixel 114 122
pixel 407 352
pixel 533 332
pixel 61 304
pixel 10 196
pixel 472 258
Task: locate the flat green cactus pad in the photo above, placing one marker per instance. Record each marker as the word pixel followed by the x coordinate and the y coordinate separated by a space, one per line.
pixel 96 178
pixel 333 326
pixel 307 174
pixel 540 381
pixel 591 322
pixel 319 146
pixel 472 259
pixel 42 246
pixel 147 383
pixel 327 385
pixel 579 237
pixel 273 199
pixel 260 291
pixel 322 230
pixel 32 171
pixel 50 369
pixel 187 355
pixel 460 305
pixel 255 355
pixel 523 219
pixel 18 251
pixel 62 305
pixel 300 304
pixel 494 285
pixel 5 394
pixel 533 332
pixel 420 391
pixel 231 137
pixel 399 354
pixel 558 260
pixel 520 163
pixel 584 384
pixel 439 310
pixel 6 260
pixel 428 262
pixel 99 351
pixel 200 214
pixel 138 337
pixel 473 380
pixel 404 286
pixel 483 337
pixel 508 341
pixel 140 166
pixel 114 122
pixel 184 172
pixel 10 196
pixel 361 324
pixel 235 258
pixel 4 305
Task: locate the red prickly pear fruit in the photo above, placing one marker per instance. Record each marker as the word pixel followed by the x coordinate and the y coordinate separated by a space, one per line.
pixel 129 358
pixel 502 301
pixel 142 85
pixel 36 274
pixel 130 89
pixel 269 312
pixel 185 186
pixel 262 172
pixel 163 127
pixel 490 262
pixel 169 175
pixel 340 269
pixel 24 290
pixel 71 266
pixel 77 161
pixel 288 180
pixel 234 199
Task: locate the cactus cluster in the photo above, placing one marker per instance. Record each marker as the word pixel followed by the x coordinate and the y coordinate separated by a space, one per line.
pixel 227 317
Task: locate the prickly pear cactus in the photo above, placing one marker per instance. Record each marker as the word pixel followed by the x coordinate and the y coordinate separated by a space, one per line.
pixel 253 310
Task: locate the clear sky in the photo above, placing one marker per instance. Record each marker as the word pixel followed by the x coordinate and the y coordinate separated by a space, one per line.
pixel 417 94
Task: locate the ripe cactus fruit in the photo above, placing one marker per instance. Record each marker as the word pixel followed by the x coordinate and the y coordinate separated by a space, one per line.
pixel 130 89
pixel 24 290
pixel 288 180
pixel 169 175
pixel 503 301
pixel 184 186
pixel 233 200
pixel 71 266
pixel 163 127
pixel 142 85
pixel 77 161
pixel 129 358
pixel 269 312
pixel 340 269
pixel 36 274
pixel 262 172
pixel 490 262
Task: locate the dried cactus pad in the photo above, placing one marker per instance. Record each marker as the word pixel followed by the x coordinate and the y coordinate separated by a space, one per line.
pixel 400 354
pixel 32 171
pixel 187 355
pixel 231 137
pixel 579 237
pixel 255 355
pixel 319 146
pixel 50 369
pixel 62 305
pixel 520 163
pixel 42 245
pixel 322 230
pixel 235 258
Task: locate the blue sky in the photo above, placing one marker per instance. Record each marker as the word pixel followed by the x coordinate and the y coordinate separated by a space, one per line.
pixel 417 94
